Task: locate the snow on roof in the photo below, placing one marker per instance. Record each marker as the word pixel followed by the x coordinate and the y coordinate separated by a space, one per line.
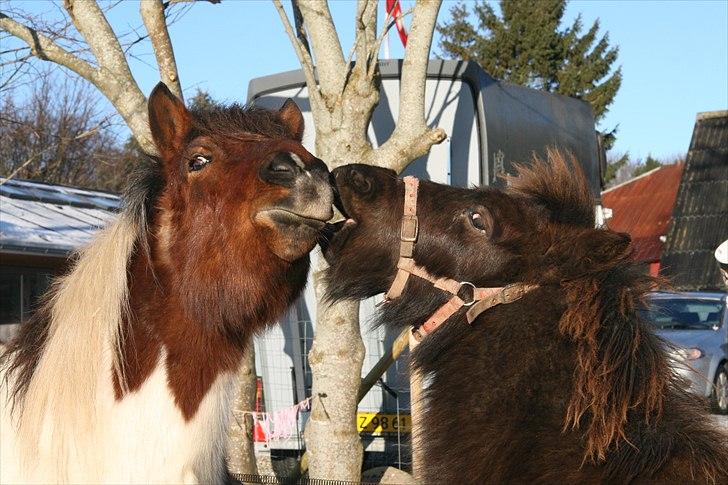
pixel 43 218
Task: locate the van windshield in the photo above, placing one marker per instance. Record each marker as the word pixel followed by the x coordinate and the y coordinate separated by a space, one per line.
pixel 684 313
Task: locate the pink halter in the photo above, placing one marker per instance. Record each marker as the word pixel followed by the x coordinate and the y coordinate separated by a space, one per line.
pixel 482 298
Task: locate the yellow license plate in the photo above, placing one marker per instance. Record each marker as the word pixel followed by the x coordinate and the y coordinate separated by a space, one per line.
pixel 377 423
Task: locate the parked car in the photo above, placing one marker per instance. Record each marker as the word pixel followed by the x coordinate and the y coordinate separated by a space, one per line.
pixel 696 326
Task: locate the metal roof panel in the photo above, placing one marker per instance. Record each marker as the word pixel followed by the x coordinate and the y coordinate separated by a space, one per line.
pixel 40 218
pixel 642 207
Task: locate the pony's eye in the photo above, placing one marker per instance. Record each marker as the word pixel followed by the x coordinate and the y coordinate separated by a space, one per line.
pixel 476 220
pixel 198 162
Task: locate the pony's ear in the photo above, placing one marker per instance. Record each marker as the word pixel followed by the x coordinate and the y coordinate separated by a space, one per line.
pixel 605 246
pixel 291 116
pixel 169 121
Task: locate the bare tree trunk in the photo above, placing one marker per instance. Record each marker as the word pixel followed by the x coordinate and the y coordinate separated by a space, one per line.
pixel 343 96
pixel 241 450
pixel 336 359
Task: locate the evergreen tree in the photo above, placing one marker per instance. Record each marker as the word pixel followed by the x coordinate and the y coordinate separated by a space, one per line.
pixel 202 101
pixel 649 164
pixel 613 167
pixel 526 45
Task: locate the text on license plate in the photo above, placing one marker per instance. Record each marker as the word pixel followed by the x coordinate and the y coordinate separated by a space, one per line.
pixel 384 423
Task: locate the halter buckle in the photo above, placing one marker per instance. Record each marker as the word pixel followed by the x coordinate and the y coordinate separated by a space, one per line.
pixel 464 284
pixel 409 229
pixel 511 293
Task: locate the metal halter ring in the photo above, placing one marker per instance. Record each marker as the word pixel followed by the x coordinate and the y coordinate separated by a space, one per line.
pixel 472 298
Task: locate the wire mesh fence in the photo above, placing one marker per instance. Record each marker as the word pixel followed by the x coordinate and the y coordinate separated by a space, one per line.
pixel 286 380
pixel 261 479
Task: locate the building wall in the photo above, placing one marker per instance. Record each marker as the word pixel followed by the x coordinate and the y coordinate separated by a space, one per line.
pixel 24 279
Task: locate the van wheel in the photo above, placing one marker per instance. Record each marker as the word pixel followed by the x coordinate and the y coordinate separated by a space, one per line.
pixel 719 396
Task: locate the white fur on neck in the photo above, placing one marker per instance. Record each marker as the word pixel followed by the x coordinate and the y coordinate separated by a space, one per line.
pixel 70 429
pixel 141 439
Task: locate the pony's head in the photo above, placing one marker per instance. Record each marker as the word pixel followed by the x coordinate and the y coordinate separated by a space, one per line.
pixel 243 171
pixel 460 232
pixel 540 229
pixel 487 236
pixel 240 205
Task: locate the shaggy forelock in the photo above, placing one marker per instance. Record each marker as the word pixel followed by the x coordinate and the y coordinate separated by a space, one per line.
pixel 559 185
pixel 236 120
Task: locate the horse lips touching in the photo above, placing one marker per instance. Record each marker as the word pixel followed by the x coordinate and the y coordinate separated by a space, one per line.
pixel 291 225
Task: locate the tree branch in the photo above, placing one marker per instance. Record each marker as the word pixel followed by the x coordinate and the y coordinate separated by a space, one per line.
pixel 366 31
pixel 34 156
pixel 304 58
pixel 389 22
pixel 412 138
pixel 115 80
pixel 300 29
pixel 416 58
pixel 330 64
pixel 95 29
pixel 44 48
pixel 152 12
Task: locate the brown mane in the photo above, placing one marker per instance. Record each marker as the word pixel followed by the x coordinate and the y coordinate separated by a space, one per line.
pixel 619 368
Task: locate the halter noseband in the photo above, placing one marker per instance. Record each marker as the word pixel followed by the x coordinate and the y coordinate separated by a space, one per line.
pixel 482 298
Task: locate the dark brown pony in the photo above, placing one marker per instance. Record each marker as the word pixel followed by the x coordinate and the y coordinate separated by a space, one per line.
pixel 565 385
pixel 127 373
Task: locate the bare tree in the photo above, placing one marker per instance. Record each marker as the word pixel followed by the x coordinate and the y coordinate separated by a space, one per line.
pixel 57 134
pixel 106 66
pixel 343 95
pixel 241 451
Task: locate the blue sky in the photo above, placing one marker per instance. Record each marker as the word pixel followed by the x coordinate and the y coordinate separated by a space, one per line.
pixel 674 57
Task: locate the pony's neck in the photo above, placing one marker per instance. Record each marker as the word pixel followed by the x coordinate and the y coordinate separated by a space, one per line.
pixel 195 353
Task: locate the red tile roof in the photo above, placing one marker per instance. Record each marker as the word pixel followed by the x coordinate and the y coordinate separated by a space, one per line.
pixel 642 207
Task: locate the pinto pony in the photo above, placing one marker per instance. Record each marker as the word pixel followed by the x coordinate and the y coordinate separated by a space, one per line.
pixel 562 385
pixel 126 374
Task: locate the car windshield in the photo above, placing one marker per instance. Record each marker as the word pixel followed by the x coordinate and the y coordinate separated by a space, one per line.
pixel 684 313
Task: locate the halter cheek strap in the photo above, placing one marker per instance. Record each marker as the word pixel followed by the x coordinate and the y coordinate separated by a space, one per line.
pixel 479 299
pixel 408 232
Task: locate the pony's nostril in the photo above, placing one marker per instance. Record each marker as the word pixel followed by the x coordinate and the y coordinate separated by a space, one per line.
pixel 281 170
pixel 359 181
